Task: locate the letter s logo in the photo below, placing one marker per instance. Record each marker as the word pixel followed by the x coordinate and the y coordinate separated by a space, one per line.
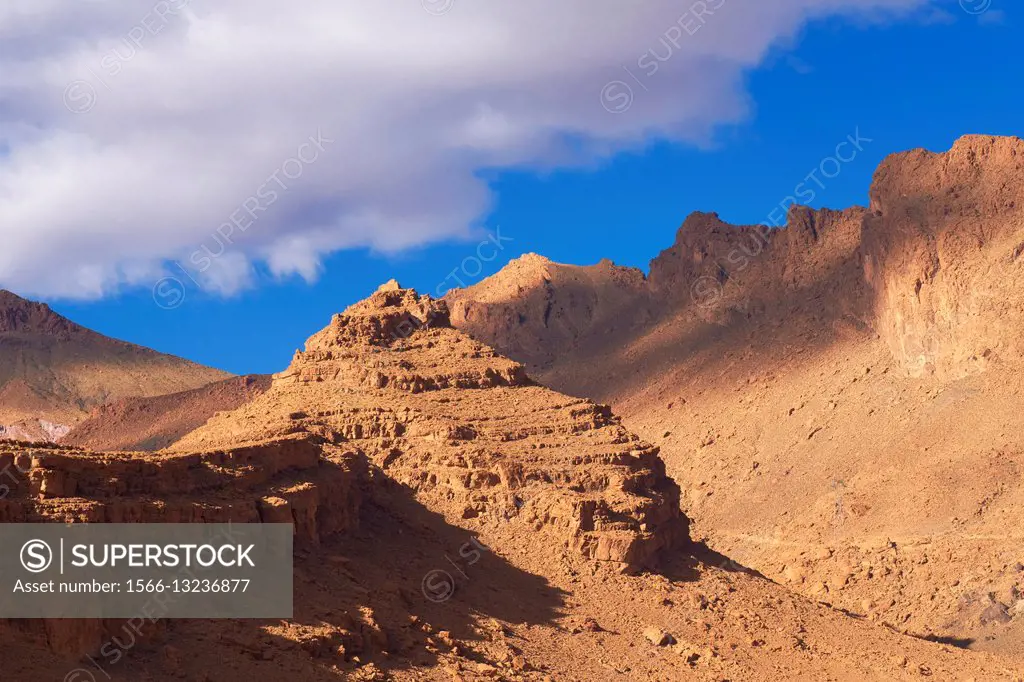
pixel 36 556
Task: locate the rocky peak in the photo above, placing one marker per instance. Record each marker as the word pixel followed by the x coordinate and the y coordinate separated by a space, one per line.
pixel 430 355
pixel 390 315
pixel 468 431
pixel 18 315
pixel 811 242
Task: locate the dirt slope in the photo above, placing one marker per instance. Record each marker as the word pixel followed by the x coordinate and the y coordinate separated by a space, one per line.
pixel 392 443
pixel 53 371
pixel 839 400
pixel 150 424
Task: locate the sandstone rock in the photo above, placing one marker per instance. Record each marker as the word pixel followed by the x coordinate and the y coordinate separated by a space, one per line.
pixel 658 637
pixel 468 431
pixel 942 253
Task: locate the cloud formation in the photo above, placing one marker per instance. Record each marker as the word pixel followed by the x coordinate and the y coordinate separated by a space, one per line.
pixel 226 133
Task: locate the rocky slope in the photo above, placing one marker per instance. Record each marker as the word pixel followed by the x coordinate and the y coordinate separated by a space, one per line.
pixel 467 430
pixel 150 424
pixel 53 371
pixel 837 398
pixel 541 308
pixel 394 443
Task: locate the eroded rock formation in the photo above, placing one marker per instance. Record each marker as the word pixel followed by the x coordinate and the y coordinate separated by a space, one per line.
pixel 935 266
pixel 389 393
pixel 468 431
pixel 293 479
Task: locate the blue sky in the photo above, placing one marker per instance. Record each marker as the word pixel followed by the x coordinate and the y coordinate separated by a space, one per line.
pixel 918 82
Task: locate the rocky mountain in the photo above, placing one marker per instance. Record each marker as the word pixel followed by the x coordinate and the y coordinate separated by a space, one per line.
pixel 838 399
pixel 467 430
pixel 393 443
pixel 53 371
pixel 539 308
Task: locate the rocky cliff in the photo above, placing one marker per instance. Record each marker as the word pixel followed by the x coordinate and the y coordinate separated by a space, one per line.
pixel 468 432
pixel 837 397
pixel 944 254
pixel 933 266
pixel 290 479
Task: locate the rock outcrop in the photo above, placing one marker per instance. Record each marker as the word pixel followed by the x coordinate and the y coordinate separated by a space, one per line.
pixel 292 479
pixel 541 312
pixel 714 263
pixel 944 254
pixel 241 484
pixel 935 266
pixel 468 431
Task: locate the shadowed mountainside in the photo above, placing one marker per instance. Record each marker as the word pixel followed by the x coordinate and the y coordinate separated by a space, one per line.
pixel 150 424
pixel 53 371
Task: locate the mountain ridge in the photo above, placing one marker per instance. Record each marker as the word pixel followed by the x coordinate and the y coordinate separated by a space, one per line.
pixel 794 377
pixel 54 371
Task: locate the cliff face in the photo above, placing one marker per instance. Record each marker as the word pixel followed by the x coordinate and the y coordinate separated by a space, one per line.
pixel 944 255
pixel 856 372
pixel 715 270
pixel 935 266
pixel 53 371
pixel 291 479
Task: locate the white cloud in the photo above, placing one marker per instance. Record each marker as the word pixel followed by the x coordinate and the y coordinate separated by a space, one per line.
pixel 193 107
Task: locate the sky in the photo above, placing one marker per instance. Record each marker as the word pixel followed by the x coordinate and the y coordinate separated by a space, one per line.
pixel 216 179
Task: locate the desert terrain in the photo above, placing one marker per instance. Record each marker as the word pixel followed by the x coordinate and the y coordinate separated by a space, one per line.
pixel 785 454
pixel 838 399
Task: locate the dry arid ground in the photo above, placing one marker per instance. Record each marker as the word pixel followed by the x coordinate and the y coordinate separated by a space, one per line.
pixel 839 400
pixel 809 469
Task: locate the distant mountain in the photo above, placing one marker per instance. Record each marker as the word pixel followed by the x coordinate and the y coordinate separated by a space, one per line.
pixel 53 372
